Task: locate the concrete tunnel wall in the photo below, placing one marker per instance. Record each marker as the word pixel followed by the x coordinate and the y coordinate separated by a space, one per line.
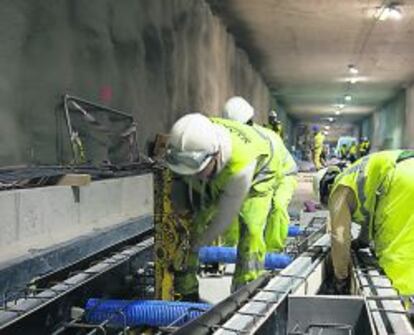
pixel 386 127
pixel 156 59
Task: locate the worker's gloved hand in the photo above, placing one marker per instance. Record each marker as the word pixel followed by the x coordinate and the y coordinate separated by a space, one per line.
pixel 357 244
pixel 342 286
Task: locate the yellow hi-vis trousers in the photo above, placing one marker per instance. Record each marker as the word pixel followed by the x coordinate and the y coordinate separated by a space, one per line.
pixel 251 249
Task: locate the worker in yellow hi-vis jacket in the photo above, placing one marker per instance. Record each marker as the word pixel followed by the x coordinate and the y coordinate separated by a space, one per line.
pixel 318 139
pixel 238 109
pixel 377 192
pixel 364 146
pixel 229 164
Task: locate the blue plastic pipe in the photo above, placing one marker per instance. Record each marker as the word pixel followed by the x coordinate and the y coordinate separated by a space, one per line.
pixel 294 231
pixel 228 255
pixel 153 313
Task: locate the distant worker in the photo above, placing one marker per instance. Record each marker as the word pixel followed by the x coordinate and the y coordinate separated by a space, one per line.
pixel 317 148
pixel 324 155
pixel 353 152
pixel 275 124
pixel 229 162
pixel 364 146
pixel 238 109
pixel 376 192
pixel 343 152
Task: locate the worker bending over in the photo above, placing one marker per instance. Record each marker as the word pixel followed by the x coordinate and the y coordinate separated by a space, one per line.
pixel 318 139
pixel 228 165
pixel 238 109
pixel 364 147
pixel 376 192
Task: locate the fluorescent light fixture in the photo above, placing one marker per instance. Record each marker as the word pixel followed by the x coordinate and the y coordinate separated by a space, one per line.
pixel 392 11
pixel 348 97
pixel 352 69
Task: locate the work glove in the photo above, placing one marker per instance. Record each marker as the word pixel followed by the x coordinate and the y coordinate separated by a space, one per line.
pixel 342 286
pixel 358 244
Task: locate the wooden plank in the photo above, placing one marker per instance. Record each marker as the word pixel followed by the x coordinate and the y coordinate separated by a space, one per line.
pixel 72 179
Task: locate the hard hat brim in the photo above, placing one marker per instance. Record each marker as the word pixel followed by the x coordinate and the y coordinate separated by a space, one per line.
pixel 185 170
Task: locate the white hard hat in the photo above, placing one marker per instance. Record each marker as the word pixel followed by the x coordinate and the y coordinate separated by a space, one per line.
pixel 192 144
pixel 273 114
pixel 238 109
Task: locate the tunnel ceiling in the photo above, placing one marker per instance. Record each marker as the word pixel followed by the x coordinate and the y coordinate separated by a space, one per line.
pixel 303 49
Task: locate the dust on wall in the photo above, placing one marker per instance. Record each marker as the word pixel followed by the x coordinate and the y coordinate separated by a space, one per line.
pixel 155 59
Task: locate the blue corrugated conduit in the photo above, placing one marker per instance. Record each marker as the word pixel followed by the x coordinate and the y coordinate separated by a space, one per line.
pixel 153 313
pixel 228 255
pixel 295 231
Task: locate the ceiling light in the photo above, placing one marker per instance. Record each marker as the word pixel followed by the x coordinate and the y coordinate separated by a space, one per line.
pixel 327 127
pixel 326 132
pixel 331 119
pixel 392 11
pixel 338 112
pixel 352 69
pixel 348 97
pixel 353 80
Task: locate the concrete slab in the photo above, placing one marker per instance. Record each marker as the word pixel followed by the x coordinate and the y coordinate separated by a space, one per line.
pixel 215 289
pixel 39 218
pixel 9 222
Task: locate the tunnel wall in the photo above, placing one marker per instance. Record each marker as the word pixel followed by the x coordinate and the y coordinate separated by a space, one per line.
pixel 409 118
pixel 366 127
pixel 156 59
pixel 385 127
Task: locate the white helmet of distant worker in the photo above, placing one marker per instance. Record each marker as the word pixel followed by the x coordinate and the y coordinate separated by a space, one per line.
pixel 238 109
pixel 273 114
pixel 192 144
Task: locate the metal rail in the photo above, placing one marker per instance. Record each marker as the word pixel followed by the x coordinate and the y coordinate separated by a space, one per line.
pixel 245 311
pixel 13 314
pixel 56 263
pixel 295 279
pixel 312 232
pixel 384 304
